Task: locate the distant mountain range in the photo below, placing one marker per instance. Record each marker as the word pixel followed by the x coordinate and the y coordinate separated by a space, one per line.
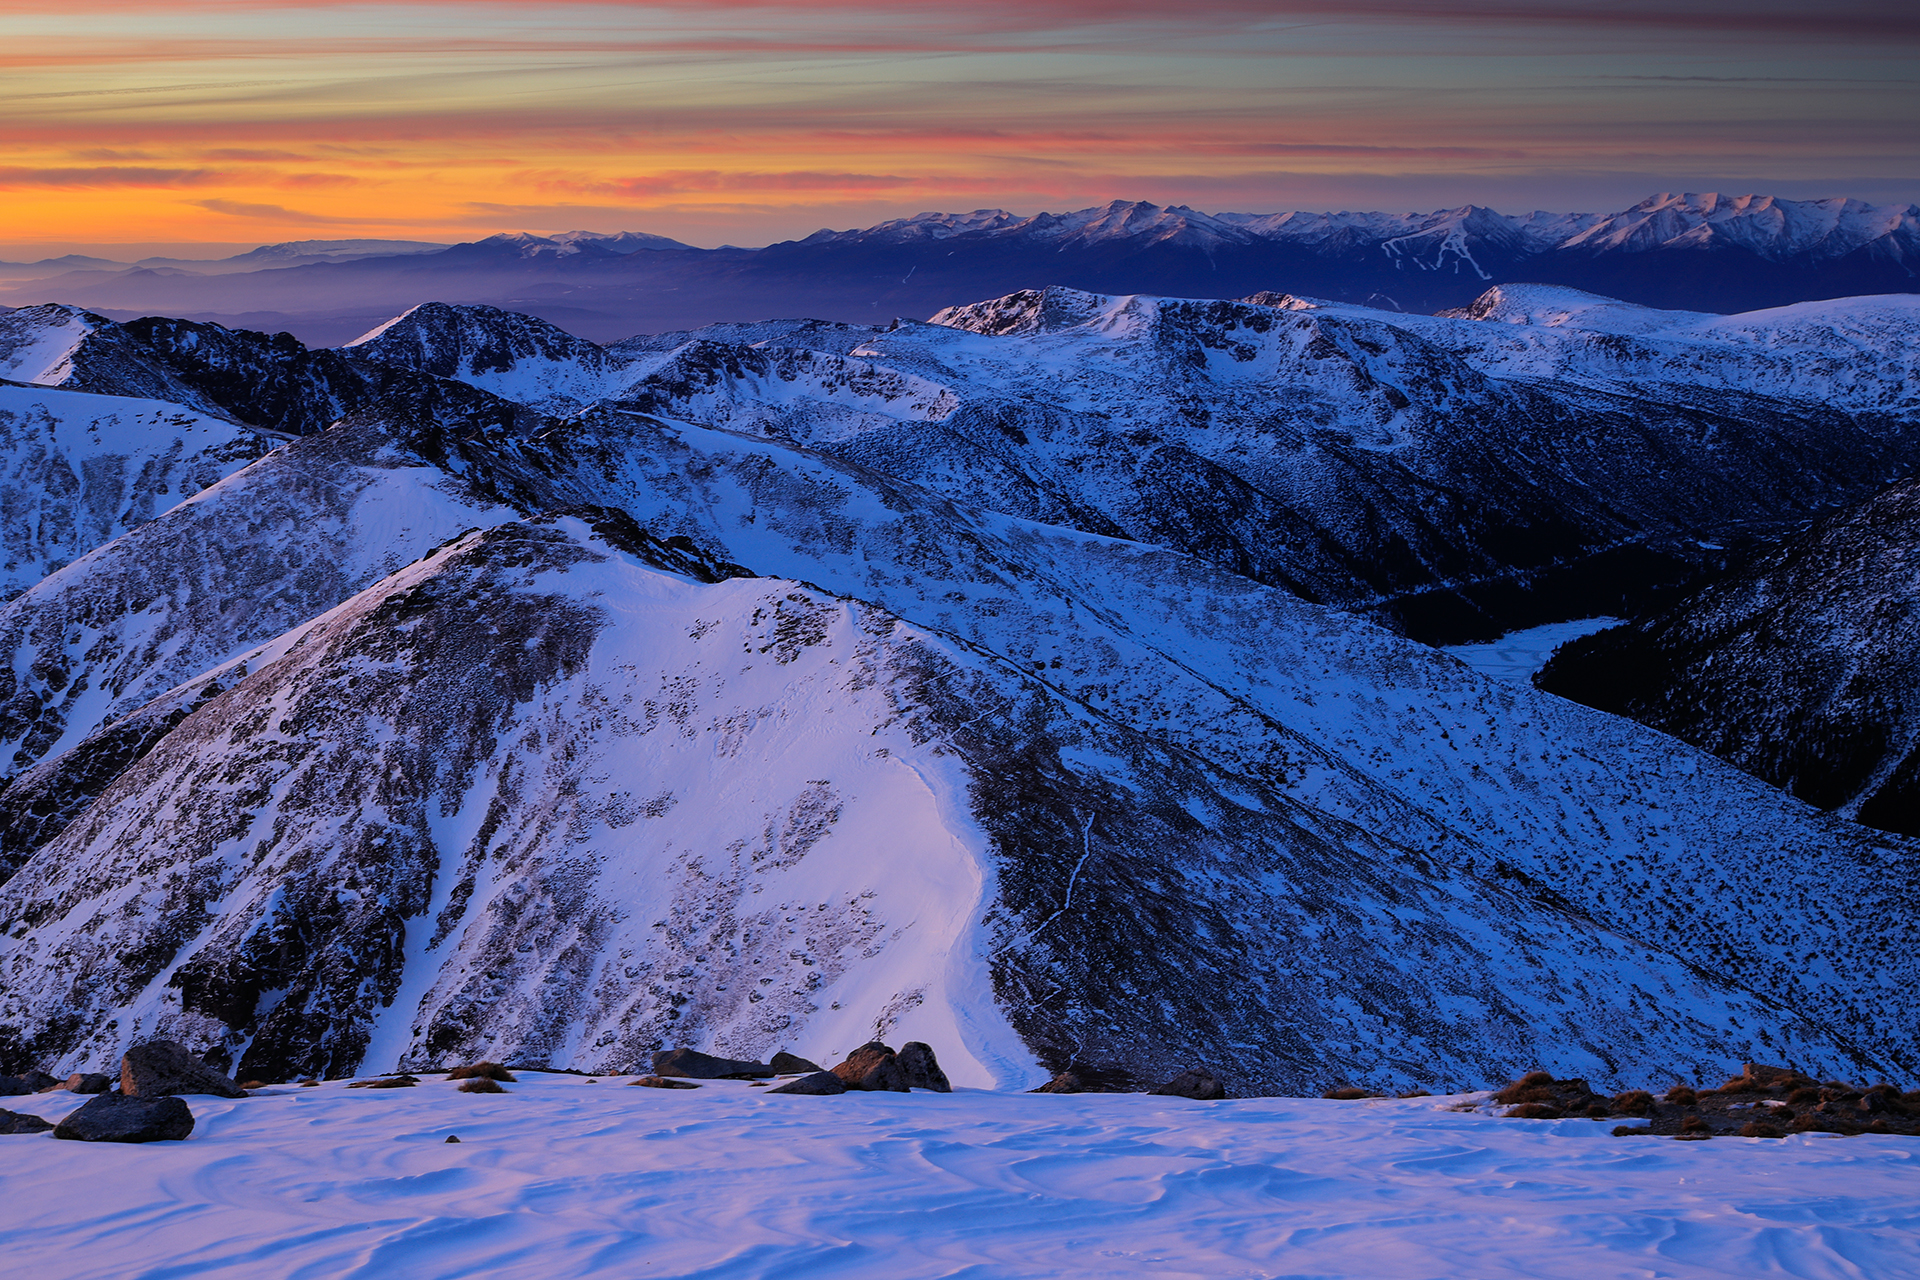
pixel 1693 252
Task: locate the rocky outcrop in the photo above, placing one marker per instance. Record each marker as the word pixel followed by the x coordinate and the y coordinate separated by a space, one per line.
pixel 115 1117
pixel 874 1068
pixel 818 1084
pixel 787 1064
pixel 921 1068
pixel 691 1064
pixel 1064 1082
pixel 86 1082
pixel 163 1068
pixel 14 1122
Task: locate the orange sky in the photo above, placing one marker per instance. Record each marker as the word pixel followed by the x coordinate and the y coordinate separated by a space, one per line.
pixel 246 123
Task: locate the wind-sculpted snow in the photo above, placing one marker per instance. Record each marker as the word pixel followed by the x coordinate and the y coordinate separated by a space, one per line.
pixel 80 470
pixel 1798 667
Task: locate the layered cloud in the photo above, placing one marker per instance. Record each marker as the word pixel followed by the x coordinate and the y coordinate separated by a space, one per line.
pixel 726 120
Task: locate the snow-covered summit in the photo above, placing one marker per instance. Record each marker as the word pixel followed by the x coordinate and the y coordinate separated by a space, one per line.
pixel 1772 228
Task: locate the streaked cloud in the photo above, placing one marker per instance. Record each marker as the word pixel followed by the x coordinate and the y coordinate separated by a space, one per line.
pixel 730 119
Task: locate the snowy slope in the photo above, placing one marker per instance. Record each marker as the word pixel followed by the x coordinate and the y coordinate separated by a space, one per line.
pixel 80 470
pixel 563 1176
pixel 1204 820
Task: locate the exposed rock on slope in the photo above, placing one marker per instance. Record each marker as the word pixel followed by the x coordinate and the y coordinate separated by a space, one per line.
pixel 1801 667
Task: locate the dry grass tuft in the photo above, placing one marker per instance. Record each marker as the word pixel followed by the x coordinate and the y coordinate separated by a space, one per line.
pixel 1634 1102
pixel 480 1084
pixel 1535 1086
pixel 481 1071
pixel 1349 1093
pixel 1682 1095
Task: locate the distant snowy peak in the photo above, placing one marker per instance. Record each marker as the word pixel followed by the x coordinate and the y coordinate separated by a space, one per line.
pixel 920 227
pixel 504 352
pixel 1777 230
pixel 1560 306
pixel 620 242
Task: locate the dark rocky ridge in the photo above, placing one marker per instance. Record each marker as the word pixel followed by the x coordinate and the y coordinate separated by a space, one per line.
pixel 1801 666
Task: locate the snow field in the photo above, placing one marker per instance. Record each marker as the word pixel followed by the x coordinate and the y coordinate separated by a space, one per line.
pixel 563 1178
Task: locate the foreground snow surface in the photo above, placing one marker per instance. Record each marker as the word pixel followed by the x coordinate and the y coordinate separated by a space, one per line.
pixel 565 1178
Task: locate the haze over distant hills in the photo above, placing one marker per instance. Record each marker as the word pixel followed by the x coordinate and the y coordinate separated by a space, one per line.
pixel 1695 252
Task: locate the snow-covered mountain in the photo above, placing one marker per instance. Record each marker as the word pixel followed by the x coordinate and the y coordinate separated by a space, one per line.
pixel 1687 251
pixel 1798 667
pixel 1454 476
pixel 520 761
pixel 800 682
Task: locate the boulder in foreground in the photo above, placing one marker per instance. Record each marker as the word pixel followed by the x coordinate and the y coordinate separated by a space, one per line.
pixel 1195 1082
pixel 821 1083
pixel 84 1082
pixel 691 1064
pixel 1065 1082
pixel 31 1082
pixel 116 1117
pixel 15 1122
pixel 165 1068
pixel 922 1069
pixel 875 1068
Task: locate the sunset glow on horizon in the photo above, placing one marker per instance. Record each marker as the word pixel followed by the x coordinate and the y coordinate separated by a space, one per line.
pixel 230 123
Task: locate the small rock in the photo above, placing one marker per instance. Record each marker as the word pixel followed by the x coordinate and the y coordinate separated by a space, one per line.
pixel 117 1117
pixel 823 1083
pixel 662 1082
pixel 691 1064
pixel 922 1068
pixel 1195 1082
pixel 1065 1082
pixel 453 1137
pixel 386 1082
pixel 15 1122
pixel 84 1082
pixel 787 1064
pixel 164 1068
